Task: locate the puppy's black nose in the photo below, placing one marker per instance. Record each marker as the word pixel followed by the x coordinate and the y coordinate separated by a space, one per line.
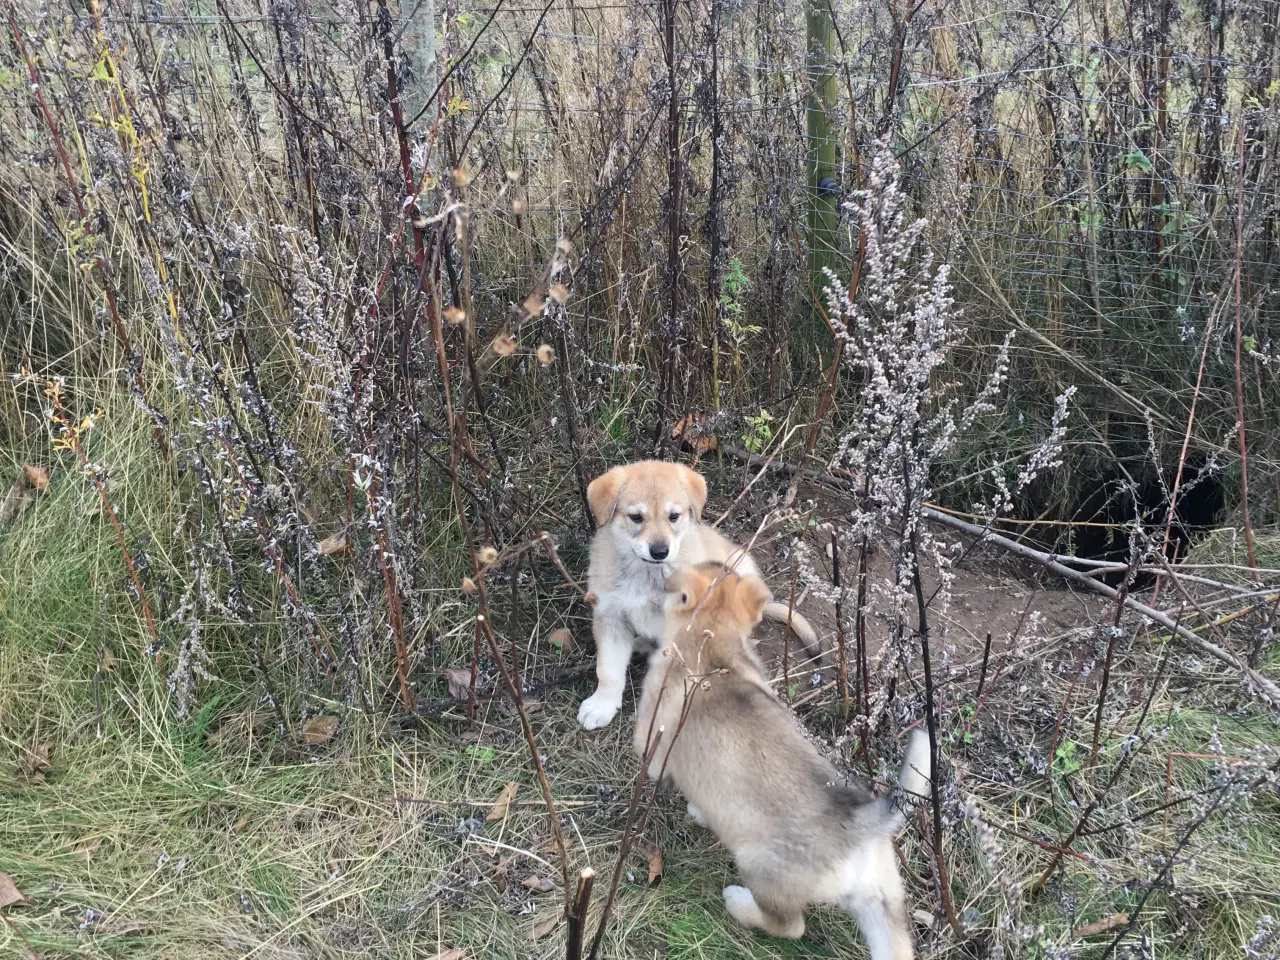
pixel 659 551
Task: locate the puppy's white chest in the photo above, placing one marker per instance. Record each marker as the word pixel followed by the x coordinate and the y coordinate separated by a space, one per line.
pixel 646 616
pixel 637 605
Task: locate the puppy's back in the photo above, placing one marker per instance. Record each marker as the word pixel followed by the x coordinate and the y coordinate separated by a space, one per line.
pixel 743 762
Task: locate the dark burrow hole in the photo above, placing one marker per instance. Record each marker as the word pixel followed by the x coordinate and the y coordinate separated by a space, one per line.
pixel 1106 506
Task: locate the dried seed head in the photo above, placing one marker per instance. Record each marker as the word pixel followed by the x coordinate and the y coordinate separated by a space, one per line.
pixel 468 585
pixel 513 176
pixel 533 304
pixel 546 355
pixel 454 316
pixel 460 177
pixel 706 684
pixel 487 556
pixel 518 207
pixel 420 222
pixel 559 293
pixel 564 245
pixel 504 345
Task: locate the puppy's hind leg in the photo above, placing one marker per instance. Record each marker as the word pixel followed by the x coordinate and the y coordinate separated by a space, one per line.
pixel 884 925
pixel 614 643
pixel 744 908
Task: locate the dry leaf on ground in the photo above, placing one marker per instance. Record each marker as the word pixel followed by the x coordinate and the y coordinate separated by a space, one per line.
pixel 696 432
pixel 37 478
pixel 33 766
pixel 320 729
pixel 336 545
pixel 1103 925
pixel 459 680
pixel 501 805
pixel 653 855
pixel 537 884
pixel 16 500
pixel 9 891
pixel 540 930
pixel 561 639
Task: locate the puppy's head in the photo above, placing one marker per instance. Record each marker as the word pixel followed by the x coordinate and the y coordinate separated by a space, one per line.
pixel 713 598
pixel 648 507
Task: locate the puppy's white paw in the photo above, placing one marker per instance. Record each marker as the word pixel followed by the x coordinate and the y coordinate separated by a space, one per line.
pixel 598 709
pixel 696 816
pixel 742 906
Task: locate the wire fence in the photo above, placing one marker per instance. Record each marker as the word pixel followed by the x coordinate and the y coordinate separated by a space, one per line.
pixel 1101 176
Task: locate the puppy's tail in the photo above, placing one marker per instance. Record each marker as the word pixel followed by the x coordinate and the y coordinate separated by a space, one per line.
pixel 916 777
pixel 781 613
pixel 915 780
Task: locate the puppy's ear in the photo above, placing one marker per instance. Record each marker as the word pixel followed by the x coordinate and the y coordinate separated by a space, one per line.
pixel 602 494
pixel 696 488
pixel 752 596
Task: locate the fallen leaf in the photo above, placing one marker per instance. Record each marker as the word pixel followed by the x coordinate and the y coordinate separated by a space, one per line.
pixel 459 680
pixel 540 930
pixel 334 546
pixel 561 639
pixel 34 765
pixel 37 478
pixel 500 806
pixel 240 824
pixel 16 500
pixel 454 954
pixel 695 432
pixel 653 854
pixel 1103 925
pixel 537 884
pixel 507 707
pixel 923 917
pixel 320 729
pixel 9 892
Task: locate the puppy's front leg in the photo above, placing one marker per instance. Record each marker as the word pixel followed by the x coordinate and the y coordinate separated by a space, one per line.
pixel 614 643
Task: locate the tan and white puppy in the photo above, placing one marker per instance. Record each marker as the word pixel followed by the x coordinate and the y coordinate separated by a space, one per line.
pixel 649 516
pixel 799 833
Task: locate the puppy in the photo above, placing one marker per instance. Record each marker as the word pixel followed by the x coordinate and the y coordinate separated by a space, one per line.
pixel 649 516
pixel 799 834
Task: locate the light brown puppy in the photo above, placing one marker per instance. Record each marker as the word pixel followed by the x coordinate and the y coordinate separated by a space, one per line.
pixel 798 832
pixel 649 516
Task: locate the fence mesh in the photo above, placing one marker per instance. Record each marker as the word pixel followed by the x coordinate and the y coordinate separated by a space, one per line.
pixel 1101 176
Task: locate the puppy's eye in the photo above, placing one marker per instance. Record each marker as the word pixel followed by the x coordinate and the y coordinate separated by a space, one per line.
pixel 674 517
pixel 684 598
pixel 636 517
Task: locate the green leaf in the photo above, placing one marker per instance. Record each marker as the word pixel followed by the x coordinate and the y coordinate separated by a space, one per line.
pixel 1137 160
